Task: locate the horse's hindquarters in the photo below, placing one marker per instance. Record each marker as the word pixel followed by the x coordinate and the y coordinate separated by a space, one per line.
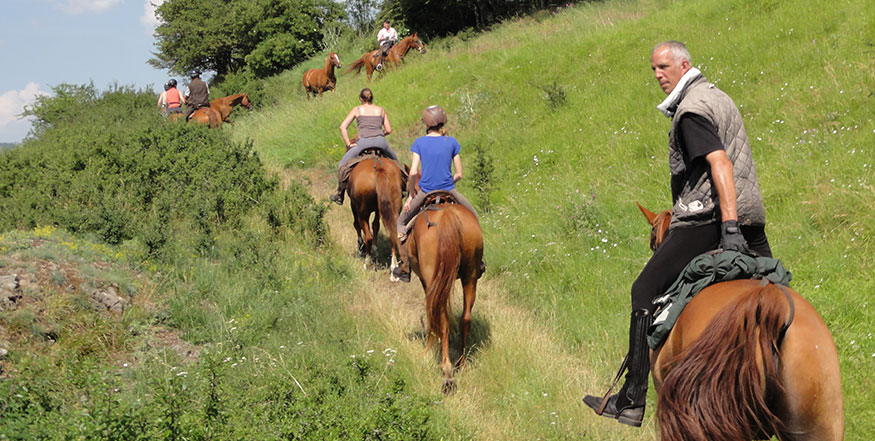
pixel 812 407
pixel 805 390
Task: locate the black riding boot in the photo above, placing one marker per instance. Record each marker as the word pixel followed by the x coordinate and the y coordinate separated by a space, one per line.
pixel 337 197
pixel 627 406
pixel 402 271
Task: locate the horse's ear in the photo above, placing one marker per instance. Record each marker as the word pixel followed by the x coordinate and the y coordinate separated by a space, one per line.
pixel 647 213
pixel 407 169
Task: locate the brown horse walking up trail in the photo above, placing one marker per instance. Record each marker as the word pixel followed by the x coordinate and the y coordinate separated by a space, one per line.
pixel 733 369
pixel 224 106
pixel 446 244
pixel 316 81
pixel 375 187
pixel 218 111
pixel 395 55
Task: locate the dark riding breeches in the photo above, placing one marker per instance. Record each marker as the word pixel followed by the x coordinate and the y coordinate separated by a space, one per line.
pixel 680 246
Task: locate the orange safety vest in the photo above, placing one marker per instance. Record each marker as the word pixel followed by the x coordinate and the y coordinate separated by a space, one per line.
pixel 172 98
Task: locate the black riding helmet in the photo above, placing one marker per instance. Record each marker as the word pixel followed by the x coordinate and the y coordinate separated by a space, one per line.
pixel 434 116
pixel 194 73
pixel 171 82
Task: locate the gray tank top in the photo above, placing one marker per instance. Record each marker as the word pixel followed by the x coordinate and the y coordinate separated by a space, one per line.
pixel 369 125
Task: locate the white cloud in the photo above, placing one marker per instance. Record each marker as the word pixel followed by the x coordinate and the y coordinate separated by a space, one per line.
pixel 76 7
pixel 12 126
pixel 148 18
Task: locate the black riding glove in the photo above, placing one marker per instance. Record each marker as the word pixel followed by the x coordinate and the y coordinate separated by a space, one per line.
pixel 731 238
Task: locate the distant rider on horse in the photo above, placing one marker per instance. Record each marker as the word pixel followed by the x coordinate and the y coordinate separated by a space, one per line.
pixel 438 154
pixel 716 198
pixel 171 100
pixel 387 37
pixel 197 95
pixel 373 127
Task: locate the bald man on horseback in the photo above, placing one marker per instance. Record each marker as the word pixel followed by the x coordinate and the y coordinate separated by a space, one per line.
pixel 717 203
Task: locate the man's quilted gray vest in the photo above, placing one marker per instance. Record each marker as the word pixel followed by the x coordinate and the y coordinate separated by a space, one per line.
pixel 698 203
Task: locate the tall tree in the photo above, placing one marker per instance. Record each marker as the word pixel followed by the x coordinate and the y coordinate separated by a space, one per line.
pixel 265 36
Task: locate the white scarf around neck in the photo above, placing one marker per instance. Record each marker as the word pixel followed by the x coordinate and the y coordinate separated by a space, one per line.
pixel 669 105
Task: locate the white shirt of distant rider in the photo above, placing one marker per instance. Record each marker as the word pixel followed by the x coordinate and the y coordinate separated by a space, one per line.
pixel 387 35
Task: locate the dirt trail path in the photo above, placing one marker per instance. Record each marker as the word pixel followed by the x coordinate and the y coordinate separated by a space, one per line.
pixel 521 381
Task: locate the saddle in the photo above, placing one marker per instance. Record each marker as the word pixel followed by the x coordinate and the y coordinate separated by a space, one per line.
pixel 438 197
pixel 708 269
pixel 370 153
pixel 431 203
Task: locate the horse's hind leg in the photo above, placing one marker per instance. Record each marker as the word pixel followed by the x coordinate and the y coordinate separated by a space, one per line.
pixel 469 289
pixel 357 223
pixel 375 225
pixel 447 367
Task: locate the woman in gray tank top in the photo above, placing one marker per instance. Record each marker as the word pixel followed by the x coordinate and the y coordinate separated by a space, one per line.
pixel 373 126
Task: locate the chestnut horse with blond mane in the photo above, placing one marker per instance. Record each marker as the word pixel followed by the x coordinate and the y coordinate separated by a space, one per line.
pixel 375 187
pixel 395 55
pixel 746 360
pixel 316 81
pixel 445 244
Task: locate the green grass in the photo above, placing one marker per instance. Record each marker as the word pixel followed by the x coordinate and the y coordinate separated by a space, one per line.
pixel 575 91
pixel 270 329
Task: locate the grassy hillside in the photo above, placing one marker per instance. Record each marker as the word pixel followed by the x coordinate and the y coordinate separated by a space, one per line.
pixel 563 105
pixel 171 313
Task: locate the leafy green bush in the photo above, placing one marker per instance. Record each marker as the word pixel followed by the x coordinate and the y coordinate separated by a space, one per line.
pixel 108 165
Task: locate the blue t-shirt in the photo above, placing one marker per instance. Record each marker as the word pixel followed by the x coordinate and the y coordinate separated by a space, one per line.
pixel 436 154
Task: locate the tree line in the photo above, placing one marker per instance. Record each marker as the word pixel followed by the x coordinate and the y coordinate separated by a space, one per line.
pixel 266 37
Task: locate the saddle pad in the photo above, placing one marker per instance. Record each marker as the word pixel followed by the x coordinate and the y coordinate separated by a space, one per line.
pixel 708 269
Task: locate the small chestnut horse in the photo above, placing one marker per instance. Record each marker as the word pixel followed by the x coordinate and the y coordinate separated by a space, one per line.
pixel 446 244
pixel 732 370
pixel 375 187
pixel 316 81
pixel 395 55
pixel 224 106
pixel 218 111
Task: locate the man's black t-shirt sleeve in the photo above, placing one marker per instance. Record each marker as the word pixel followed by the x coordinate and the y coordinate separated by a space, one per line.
pixel 698 136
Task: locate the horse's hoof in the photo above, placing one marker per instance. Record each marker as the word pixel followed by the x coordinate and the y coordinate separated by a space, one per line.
pixel 449 386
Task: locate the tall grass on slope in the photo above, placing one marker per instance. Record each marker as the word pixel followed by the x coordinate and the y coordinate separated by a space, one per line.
pixel 563 236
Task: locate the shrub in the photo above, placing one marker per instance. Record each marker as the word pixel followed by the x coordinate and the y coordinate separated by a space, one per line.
pixel 112 167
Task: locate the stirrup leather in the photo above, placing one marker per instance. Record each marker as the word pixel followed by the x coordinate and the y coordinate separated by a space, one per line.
pixel 607 395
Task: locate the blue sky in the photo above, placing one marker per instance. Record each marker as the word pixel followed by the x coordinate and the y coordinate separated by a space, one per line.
pixel 44 43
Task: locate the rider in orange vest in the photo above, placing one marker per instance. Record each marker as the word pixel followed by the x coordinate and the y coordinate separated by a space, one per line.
pixel 173 100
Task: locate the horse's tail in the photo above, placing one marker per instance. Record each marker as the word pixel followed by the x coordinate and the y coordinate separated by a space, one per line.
pixel 388 201
pixel 357 65
pixel 449 257
pixel 719 387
